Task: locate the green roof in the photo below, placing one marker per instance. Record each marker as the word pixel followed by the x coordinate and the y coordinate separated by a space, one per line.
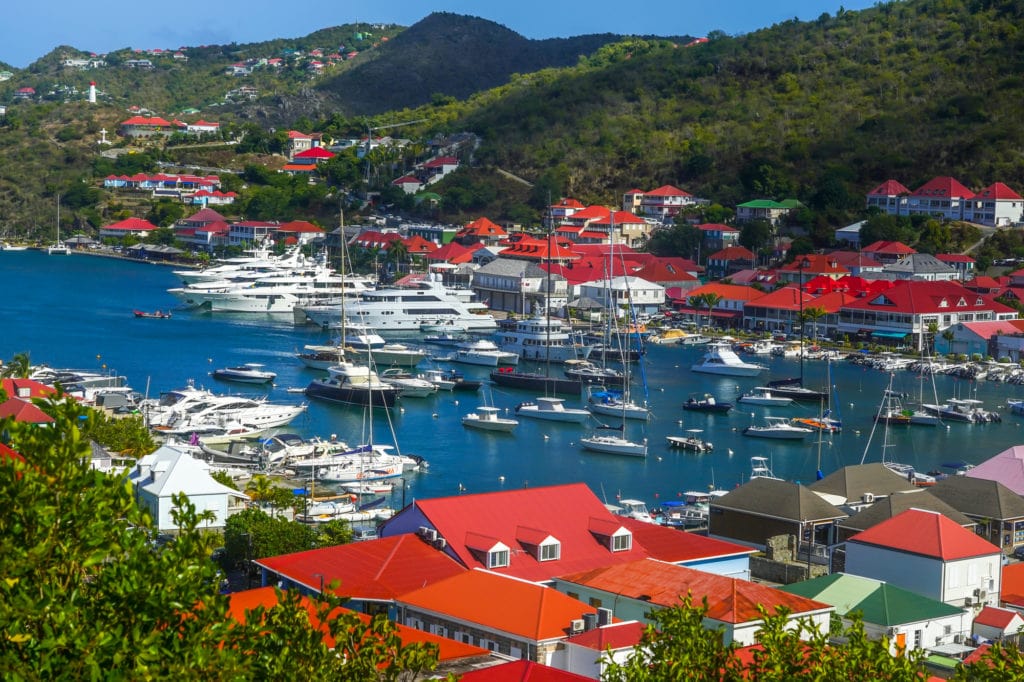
pixel 761 203
pixel 881 603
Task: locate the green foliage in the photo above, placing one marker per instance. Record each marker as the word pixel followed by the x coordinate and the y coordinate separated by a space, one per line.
pixel 756 235
pixel 126 435
pixel 680 646
pixel 254 534
pixel 679 240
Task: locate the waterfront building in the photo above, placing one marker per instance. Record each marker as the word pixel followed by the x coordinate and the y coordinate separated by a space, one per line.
pixel 997 510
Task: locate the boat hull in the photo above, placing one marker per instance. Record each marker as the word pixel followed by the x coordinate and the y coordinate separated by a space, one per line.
pixel 538 383
pixel 473 421
pixel 347 395
pixel 727 370
pixel 612 445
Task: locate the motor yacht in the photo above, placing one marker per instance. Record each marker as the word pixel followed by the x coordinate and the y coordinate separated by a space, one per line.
pixel 489 419
pixel 249 373
pixel 353 384
pixel 778 428
pixel 483 352
pixel 762 395
pixel 721 359
pixel 543 339
pixel 552 409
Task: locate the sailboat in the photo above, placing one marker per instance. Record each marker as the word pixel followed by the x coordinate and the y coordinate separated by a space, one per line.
pixel 347 382
pixel 58 248
pixel 603 401
pixel 905 470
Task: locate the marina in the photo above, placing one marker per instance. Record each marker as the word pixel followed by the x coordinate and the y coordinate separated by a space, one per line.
pixel 90 295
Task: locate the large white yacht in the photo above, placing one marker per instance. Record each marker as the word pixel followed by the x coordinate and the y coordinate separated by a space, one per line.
pixel 721 359
pixel 406 309
pixel 196 407
pixel 258 263
pixel 273 294
pixel 543 339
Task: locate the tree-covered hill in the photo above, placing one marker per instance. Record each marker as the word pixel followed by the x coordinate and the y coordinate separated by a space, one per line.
pixel 449 55
pixel 820 110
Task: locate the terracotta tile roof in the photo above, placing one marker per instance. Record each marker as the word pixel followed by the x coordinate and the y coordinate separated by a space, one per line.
pixel 732 253
pixel 517 607
pixel 928 534
pixel 521 671
pixel 567 512
pixel 889 188
pixel 448 649
pixel 300 226
pixel 730 600
pixel 891 248
pixel 614 636
pixel 375 569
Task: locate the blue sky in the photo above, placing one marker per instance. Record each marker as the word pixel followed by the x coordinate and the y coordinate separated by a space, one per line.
pixel 30 29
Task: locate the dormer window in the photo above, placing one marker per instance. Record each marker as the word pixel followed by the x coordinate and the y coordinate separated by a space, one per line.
pixel 622 542
pixel 549 551
pixel 497 557
pixel 611 534
pixel 539 543
pixel 943 303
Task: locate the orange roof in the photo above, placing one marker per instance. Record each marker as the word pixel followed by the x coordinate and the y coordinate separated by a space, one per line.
pixel 614 636
pixel 417 244
pixel 730 600
pixel 299 168
pixel 786 298
pixel 375 569
pixel 448 649
pixel 927 533
pixel 733 253
pixel 299 226
pixel 1012 585
pixel 510 605
pixel 483 227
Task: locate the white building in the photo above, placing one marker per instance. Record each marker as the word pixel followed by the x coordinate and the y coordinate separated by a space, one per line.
pixel 928 553
pixel 622 291
pixel 159 476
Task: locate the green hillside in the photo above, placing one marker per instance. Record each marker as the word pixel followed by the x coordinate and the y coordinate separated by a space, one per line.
pixel 821 111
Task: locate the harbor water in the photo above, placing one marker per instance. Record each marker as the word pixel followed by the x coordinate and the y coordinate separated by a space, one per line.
pixel 76 312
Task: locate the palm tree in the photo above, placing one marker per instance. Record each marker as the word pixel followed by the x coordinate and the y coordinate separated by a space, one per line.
pixel 18 367
pixel 707 300
pixel 260 488
pixel 813 314
pixel 400 251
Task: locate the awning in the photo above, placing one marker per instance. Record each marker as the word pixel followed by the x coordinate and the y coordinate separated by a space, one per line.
pixel 890 335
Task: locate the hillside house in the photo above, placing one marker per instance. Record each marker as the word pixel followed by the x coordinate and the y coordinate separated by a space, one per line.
pixel 945 197
pixel 129 227
pixel 773 212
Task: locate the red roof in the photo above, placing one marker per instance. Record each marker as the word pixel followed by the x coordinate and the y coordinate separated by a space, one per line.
pixel 999 192
pixel 667 191
pixel 786 298
pixel 890 248
pixel 927 533
pixel 668 544
pixel 454 253
pixel 589 213
pixel 889 188
pixel 667 270
pixel 299 168
pixel 448 649
pixel 25 388
pixel 728 292
pixel 441 161
pixel 564 512
pixel 417 244
pixel 996 617
pixel 567 203
pixel 537 249
pixel 23 411
pixel 614 636
pixel 814 263
pixel 927 298
pixel 407 180
pixel 375 569
pixel 521 671
pixel 954 258
pixel 373 238
pixel 296 135
pixel 132 225
pixel 943 187
pixel 315 153
pixel 730 600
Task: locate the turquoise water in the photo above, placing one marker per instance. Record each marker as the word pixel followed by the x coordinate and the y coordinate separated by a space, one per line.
pixel 77 312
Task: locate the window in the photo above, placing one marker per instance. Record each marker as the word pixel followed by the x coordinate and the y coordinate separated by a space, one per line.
pixel 595 602
pixel 549 552
pixel 622 543
pixel 497 558
pixel 573 595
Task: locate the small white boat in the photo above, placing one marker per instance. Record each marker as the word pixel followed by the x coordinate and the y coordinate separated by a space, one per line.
pixel 249 373
pixel 485 353
pixel 408 386
pixel 615 404
pixel 614 445
pixel 368 487
pixel 444 327
pixel 489 419
pixel 632 509
pixel 391 354
pixel 720 358
pixel 692 441
pixel 762 395
pixel 440 379
pixel 759 468
pixel 778 428
pixel 552 409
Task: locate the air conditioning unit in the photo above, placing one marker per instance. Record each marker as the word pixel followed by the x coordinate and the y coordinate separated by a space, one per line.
pixel 431 534
pixel 576 625
pixel 868 498
pixel 440 543
pixel 422 531
pixel 968 601
pixel 604 617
